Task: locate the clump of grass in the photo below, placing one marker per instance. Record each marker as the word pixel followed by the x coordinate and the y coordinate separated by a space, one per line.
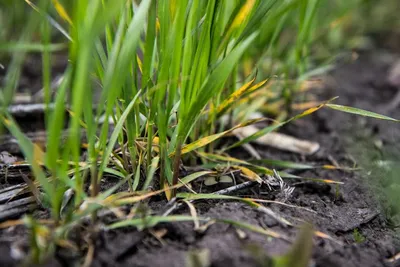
pixel 166 71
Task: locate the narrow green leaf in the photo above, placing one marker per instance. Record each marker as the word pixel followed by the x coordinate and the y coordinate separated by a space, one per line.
pixel 150 174
pixel 213 85
pixel 115 134
pixel 361 112
pixel 56 124
pixel 31 47
pixel 114 172
pixel 191 177
pixel 151 221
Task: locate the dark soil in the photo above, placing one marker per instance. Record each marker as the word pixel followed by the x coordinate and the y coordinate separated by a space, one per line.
pixel 357 206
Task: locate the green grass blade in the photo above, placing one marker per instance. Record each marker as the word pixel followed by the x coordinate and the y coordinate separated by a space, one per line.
pixel 56 124
pixel 151 221
pixel 361 112
pixel 149 45
pixel 114 136
pixel 213 85
pixel 31 47
pixel 150 173
pixel 191 177
pixel 118 67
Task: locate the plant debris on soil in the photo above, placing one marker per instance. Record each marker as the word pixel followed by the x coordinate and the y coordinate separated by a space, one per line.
pixel 352 214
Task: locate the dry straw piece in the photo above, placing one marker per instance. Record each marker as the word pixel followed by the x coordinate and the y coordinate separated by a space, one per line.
pixel 280 141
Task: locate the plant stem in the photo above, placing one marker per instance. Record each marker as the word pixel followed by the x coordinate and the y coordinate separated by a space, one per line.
pixel 94 186
pixel 162 166
pixel 177 161
pixel 149 144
